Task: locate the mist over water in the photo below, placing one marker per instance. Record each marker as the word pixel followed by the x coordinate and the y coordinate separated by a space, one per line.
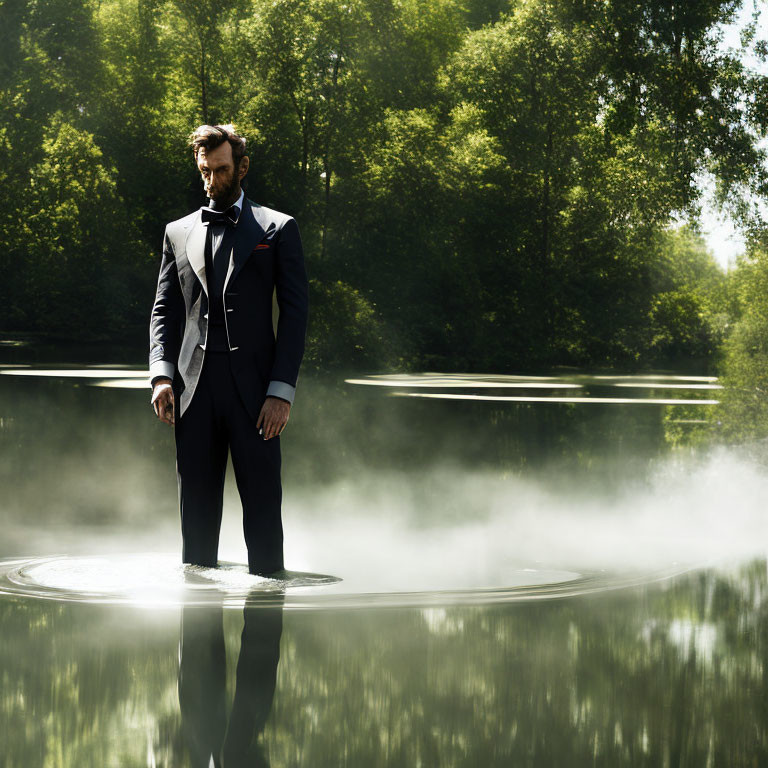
pixel 687 512
pixel 394 495
pixel 472 581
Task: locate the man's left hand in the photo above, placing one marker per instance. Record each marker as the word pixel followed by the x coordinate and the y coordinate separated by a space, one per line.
pixel 273 417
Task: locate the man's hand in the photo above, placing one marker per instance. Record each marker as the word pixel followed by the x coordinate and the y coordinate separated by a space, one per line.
pixel 163 401
pixel 273 417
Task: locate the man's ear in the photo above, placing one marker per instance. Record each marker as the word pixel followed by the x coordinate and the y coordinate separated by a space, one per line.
pixel 243 167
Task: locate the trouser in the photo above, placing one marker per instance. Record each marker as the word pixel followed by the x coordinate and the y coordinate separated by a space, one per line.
pixel 214 423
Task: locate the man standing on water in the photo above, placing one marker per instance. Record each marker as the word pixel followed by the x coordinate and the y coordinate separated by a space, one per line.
pixel 218 373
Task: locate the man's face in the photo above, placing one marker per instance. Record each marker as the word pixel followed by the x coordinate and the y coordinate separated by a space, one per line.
pixel 217 168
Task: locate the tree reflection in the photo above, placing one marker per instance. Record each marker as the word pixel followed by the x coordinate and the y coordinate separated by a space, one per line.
pixel 669 674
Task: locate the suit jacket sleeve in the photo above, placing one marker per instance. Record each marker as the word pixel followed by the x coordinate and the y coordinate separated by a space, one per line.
pixel 166 322
pixel 292 292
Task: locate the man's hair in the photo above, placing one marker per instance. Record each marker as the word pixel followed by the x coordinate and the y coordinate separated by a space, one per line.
pixel 209 137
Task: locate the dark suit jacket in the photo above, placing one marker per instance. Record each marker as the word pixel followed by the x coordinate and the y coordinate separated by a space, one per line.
pixel 267 255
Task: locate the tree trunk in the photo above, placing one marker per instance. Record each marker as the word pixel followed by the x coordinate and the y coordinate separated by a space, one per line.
pixel 545 201
pixel 327 205
pixel 203 80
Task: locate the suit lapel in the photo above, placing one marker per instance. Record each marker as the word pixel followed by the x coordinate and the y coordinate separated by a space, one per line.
pixel 248 233
pixel 196 249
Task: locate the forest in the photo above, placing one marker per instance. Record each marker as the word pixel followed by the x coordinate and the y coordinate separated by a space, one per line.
pixel 481 185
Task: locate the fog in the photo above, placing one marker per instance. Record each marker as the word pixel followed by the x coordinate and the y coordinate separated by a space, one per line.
pixel 392 494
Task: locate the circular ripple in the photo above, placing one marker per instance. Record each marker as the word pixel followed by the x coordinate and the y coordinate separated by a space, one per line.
pixel 145 579
pixel 160 580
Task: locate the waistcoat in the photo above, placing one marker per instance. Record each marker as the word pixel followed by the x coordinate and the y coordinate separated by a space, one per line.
pixel 216 265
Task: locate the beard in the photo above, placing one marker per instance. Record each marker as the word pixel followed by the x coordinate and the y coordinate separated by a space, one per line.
pixel 223 197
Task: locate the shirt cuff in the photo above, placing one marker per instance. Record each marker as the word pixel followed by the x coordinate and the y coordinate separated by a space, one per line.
pixel 159 369
pixel 282 390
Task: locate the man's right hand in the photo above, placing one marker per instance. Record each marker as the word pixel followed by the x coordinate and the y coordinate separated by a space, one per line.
pixel 163 401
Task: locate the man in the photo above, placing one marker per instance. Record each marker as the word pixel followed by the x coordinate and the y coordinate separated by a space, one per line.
pixel 217 371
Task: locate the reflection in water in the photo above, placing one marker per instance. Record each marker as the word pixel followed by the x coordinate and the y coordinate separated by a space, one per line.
pixel 79 373
pixel 665 675
pixel 662 385
pixel 465 382
pixel 209 735
pixel 122 384
pixel 477 381
pixel 510 380
pixel 572 400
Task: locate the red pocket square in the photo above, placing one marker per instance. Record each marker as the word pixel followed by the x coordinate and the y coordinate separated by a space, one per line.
pixel 260 246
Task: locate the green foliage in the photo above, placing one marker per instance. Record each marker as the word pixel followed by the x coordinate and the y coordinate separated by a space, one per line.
pixel 76 263
pixel 497 179
pixel 743 412
pixel 344 329
pixel 686 319
pixel 676 326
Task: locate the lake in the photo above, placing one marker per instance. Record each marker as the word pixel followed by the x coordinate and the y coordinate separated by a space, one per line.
pixel 486 570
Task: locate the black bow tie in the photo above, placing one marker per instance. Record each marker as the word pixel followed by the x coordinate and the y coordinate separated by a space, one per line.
pixel 229 216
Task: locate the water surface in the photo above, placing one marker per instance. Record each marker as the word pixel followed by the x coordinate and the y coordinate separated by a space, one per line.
pixel 479 580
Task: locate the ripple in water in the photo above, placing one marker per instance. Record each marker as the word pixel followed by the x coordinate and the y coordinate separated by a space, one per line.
pixel 160 580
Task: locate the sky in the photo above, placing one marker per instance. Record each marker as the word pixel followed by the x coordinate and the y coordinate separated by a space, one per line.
pixel 723 238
